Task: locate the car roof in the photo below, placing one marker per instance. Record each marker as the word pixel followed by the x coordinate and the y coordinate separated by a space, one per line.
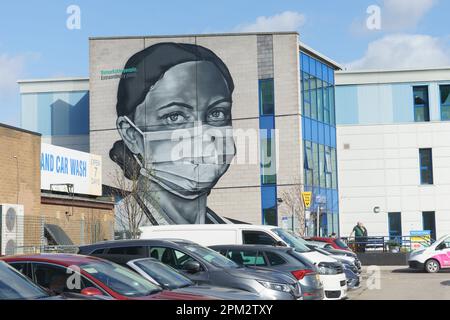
pixel 259 247
pixel 209 226
pixel 124 243
pixel 57 258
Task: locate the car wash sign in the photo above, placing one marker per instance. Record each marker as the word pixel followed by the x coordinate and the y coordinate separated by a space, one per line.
pixel 61 167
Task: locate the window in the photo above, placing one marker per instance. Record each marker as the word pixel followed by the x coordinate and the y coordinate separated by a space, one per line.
pixel 308 156
pixel 274 259
pixel 247 258
pixel 269 205
pixel 22 267
pixel 395 226
pixel 267 97
pixel 333 168
pixel 429 223
pixel 55 278
pixel 306 95
pixel 445 102
pixel 328 167
pixel 421 106
pixel 332 106
pixel 326 104
pixel 129 251
pixel 313 86
pixel 257 237
pixel 267 149
pixel 308 163
pixel 171 257
pixel 320 100
pixel 426 166
pixel 315 150
pixel 268 167
pixel 98 251
pixel 322 166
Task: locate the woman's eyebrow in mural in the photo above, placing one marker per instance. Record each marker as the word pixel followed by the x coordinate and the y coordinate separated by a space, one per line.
pixel 181 104
pixel 212 105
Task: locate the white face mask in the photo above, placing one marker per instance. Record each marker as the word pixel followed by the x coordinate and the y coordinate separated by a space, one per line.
pixel 187 162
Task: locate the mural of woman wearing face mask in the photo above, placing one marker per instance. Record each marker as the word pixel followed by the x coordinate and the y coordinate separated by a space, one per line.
pixel 174 117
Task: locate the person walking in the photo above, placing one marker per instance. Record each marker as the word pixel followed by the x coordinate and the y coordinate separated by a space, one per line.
pixel 360 237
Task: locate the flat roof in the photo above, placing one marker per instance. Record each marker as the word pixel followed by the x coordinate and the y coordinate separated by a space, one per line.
pixel 7 126
pixel 53 80
pixel 54 85
pixel 196 35
pixel 380 76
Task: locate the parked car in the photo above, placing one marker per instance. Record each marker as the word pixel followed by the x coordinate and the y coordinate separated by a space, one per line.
pixel 433 258
pixel 336 243
pixel 283 259
pixel 335 252
pixel 331 271
pixel 98 277
pixel 173 280
pixel 351 270
pixel 16 286
pixel 202 265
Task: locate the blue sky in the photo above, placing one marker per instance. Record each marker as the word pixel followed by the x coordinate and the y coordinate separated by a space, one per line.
pixel 35 42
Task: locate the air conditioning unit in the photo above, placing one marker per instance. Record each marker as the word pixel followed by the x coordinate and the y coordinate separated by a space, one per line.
pixel 11 229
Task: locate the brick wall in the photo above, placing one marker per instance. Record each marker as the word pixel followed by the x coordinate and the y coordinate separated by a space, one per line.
pixel 21 186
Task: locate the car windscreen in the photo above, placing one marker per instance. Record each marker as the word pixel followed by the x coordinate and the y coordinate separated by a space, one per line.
pixel 213 257
pixel 298 244
pixel 15 286
pixel 119 279
pixel 163 274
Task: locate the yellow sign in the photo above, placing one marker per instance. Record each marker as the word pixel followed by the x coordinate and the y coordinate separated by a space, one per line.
pixel 307 196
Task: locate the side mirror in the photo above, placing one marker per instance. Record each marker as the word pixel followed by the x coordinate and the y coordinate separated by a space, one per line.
pixel 91 291
pixel 192 266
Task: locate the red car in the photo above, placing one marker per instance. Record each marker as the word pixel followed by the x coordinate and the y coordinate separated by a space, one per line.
pixel 334 243
pixel 63 273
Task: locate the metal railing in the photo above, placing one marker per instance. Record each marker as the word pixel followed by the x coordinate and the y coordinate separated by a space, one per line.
pixel 386 243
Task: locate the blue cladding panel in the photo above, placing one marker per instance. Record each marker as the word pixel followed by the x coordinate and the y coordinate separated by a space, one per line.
pixel 328 135
pixel 403 102
pixel 333 137
pixel 347 105
pixel 269 196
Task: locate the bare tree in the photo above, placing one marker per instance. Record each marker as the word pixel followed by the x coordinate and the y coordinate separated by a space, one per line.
pixel 129 215
pixel 293 202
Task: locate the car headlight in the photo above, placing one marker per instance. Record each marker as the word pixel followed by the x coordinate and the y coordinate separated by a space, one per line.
pixel 325 269
pixel 275 286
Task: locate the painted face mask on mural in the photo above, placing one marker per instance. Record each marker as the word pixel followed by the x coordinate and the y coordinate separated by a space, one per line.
pixel 187 162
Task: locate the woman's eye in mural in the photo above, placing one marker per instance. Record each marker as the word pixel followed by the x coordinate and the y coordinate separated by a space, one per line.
pixel 175 118
pixel 219 117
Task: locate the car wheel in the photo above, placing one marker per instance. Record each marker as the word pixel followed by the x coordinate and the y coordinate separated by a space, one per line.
pixel 432 266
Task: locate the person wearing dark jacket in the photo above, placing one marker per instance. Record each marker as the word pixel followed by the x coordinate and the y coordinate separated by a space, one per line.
pixel 360 237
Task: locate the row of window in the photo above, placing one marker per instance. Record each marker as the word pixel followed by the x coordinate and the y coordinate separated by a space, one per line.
pixel 316 68
pixel 320 165
pixel 422 103
pixel 395 224
pixel 318 99
pixel 267 152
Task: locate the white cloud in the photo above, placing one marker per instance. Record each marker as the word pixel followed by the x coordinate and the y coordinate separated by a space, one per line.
pixel 11 69
pixel 285 21
pixel 403 51
pixel 404 14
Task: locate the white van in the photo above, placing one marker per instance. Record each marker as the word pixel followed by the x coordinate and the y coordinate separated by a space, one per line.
pixel 330 270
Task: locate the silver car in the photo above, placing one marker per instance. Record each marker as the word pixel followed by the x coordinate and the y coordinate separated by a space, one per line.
pixel 170 279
